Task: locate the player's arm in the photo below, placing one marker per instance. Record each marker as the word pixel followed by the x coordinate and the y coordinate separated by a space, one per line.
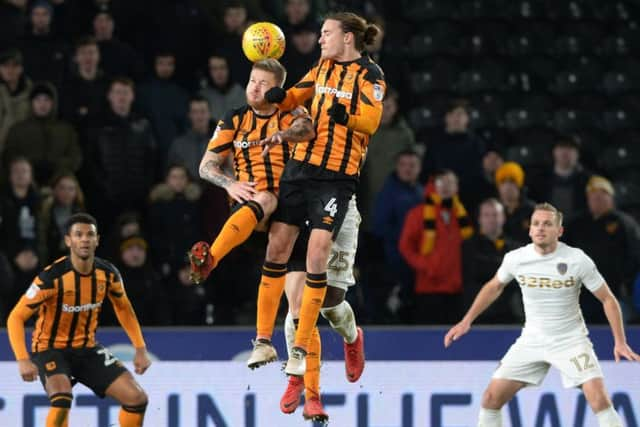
pixel 129 322
pixel 298 128
pixel 368 118
pixel 297 95
pixel 614 316
pixel 24 309
pixel 487 295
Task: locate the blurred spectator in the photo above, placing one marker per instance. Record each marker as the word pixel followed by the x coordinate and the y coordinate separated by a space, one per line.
pixel 393 137
pixel 50 144
pixel 400 192
pixel 65 200
pixel 302 51
pixel 456 148
pixel 164 103
pixel 431 243
pixel 45 55
pixel 486 187
pixel 563 185
pixel 143 285
pixel 15 88
pixel 190 36
pixel 222 93
pixel 385 52
pixel 117 57
pixel 481 256
pixel 612 239
pixel 85 89
pixel 13 21
pixel 189 148
pixel 6 287
pixel 189 301
pixel 174 220
pixel 230 39
pixel 127 224
pixel 255 10
pixel 121 158
pixel 20 203
pixel 297 13
pixel 510 183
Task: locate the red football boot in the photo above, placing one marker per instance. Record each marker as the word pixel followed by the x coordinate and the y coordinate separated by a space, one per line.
pixel 314 411
pixel 354 357
pixel 201 262
pixel 291 397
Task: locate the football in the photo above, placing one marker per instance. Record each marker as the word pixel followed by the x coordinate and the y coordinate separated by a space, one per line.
pixel 263 40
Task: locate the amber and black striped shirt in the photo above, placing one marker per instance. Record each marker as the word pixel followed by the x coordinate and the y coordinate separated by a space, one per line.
pixel 360 86
pixel 240 132
pixel 68 305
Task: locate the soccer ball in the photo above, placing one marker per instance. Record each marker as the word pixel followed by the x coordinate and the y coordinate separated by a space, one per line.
pixel 263 40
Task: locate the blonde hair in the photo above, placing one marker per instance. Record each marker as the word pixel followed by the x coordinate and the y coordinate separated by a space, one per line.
pixel 274 67
pixel 549 208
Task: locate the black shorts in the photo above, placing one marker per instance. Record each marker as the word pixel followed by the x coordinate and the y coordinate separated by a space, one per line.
pixel 310 193
pixel 94 367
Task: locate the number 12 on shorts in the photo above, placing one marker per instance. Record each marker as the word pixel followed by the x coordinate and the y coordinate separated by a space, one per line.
pixel 331 207
pixel 582 362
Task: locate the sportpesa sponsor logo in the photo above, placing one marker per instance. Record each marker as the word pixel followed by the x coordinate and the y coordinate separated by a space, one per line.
pixel 245 144
pixel 322 90
pixel 78 308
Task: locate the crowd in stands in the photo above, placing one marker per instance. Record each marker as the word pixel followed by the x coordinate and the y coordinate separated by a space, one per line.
pixel 106 107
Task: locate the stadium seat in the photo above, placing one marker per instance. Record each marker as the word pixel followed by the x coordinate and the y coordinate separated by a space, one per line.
pixel 430 81
pixel 618 119
pixel 542 67
pixel 568 82
pixel 538 135
pixel 525 9
pixel 571 120
pixel 483 77
pixel 422 118
pixel 432 42
pixel 619 82
pixel 619 158
pixel 496 138
pixel 612 10
pixel 627 192
pixel 519 118
pixel 421 10
pixel 529 156
pixel 492 104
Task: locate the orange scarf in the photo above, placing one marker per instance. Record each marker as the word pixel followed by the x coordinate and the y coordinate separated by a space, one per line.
pixel 431 204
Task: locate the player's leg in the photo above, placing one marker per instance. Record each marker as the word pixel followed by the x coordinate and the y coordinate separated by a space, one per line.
pixel 55 372
pixel 126 390
pixel 235 231
pixel 598 398
pixel 282 237
pixel 339 278
pixel 293 290
pixel 499 392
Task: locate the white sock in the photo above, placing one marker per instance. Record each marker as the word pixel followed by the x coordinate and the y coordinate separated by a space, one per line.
pixel 289 332
pixel 609 418
pixel 490 418
pixel 342 320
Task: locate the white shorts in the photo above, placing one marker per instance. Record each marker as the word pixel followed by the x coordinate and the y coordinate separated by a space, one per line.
pixel 529 361
pixel 343 252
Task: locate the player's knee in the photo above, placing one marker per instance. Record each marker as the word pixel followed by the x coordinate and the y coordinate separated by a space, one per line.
pixel 61 400
pixel 599 401
pixel 334 297
pixel 278 249
pixel 135 398
pixel 491 400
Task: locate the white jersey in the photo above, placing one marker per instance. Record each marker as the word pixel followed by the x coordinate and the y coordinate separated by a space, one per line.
pixel 550 287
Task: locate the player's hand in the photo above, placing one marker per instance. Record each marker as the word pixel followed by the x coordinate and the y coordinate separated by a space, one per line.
pixel 338 112
pixel 141 361
pixel 275 95
pixel 623 350
pixel 271 141
pixel 241 191
pixel 28 370
pixel 455 333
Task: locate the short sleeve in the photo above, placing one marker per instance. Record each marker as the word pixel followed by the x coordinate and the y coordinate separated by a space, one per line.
pixel 589 274
pixel 505 272
pixel 222 140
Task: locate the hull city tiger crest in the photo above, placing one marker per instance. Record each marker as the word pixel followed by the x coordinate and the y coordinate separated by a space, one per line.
pixel 562 268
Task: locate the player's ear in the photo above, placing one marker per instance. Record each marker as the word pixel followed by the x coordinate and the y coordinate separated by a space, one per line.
pixel 561 231
pixel 67 240
pixel 97 240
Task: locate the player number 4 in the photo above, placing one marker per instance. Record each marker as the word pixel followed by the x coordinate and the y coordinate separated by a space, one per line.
pixel 582 362
pixel 331 207
pixel 108 357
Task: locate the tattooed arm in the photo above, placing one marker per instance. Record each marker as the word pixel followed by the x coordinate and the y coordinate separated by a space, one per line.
pixel 211 170
pixel 300 130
